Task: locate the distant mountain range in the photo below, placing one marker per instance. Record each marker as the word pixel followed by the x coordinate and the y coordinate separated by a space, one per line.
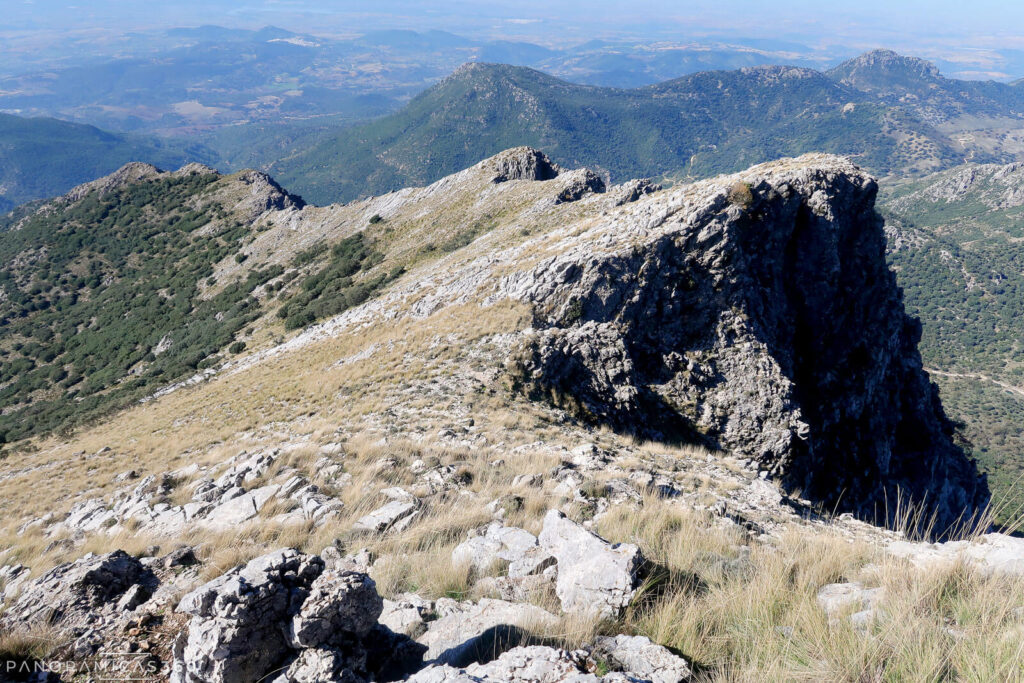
pixel 893 114
pixel 199 79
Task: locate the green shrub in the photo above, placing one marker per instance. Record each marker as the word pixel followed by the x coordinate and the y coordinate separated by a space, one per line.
pixel 741 194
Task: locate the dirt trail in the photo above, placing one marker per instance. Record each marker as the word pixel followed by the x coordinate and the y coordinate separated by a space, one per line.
pixel 1017 391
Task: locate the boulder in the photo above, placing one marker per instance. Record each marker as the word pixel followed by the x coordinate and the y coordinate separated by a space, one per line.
pixel 285 612
pixel 578 184
pixel 632 190
pixel 481 631
pixel 594 576
pixel 318 666
pixel 523 589
pixel 11 579
pixel 396 515
pixel 404 617
pixel 184 556
pixel 517 547
pixel 75 593
pixel 341 608
pixel 238 509
pixel 533 664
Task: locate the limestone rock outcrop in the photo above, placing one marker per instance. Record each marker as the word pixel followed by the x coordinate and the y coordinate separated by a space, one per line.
pixel 78 594
pixel 755 313
pixel 523 163
pixel 280 610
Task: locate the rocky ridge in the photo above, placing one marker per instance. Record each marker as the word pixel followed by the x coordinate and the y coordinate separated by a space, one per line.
pixel 516 490
pixel 691 309
pixel 993 186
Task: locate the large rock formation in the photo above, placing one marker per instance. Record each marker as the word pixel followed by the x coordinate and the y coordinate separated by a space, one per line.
pixel 72 594
pixel 754 313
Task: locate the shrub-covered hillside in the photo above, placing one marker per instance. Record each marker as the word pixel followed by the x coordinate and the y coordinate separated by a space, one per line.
pixel 956 245
pixel 100 301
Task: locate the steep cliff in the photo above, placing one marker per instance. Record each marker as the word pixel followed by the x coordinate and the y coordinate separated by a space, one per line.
pixel 755 313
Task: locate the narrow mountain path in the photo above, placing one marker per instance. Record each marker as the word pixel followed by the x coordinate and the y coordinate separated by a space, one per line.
pixel 1016 391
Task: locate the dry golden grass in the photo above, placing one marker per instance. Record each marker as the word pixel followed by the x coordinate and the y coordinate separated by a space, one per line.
pixel 749 612
pixel 28 645
pixel 740 609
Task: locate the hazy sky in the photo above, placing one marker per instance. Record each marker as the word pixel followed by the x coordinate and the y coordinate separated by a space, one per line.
pixel 896 23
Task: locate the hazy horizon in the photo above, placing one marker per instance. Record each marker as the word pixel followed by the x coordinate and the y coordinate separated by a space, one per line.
pixel 944 29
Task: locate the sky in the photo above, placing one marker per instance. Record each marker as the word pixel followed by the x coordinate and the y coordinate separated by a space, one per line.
pixel 985 22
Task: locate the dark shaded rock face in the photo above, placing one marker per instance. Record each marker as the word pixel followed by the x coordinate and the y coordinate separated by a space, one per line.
pixel 757 314
pixel 523 163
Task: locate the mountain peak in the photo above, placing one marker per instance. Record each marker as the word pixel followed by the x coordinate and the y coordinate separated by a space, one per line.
pixel 884 70
pixel 130 173
pixel 477 69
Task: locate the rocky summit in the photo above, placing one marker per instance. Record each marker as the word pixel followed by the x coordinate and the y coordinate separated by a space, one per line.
pixel 521 424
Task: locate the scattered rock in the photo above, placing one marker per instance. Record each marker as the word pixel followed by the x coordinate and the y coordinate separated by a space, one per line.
pixel 837 599
pixel 527 481
pixel 994 553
